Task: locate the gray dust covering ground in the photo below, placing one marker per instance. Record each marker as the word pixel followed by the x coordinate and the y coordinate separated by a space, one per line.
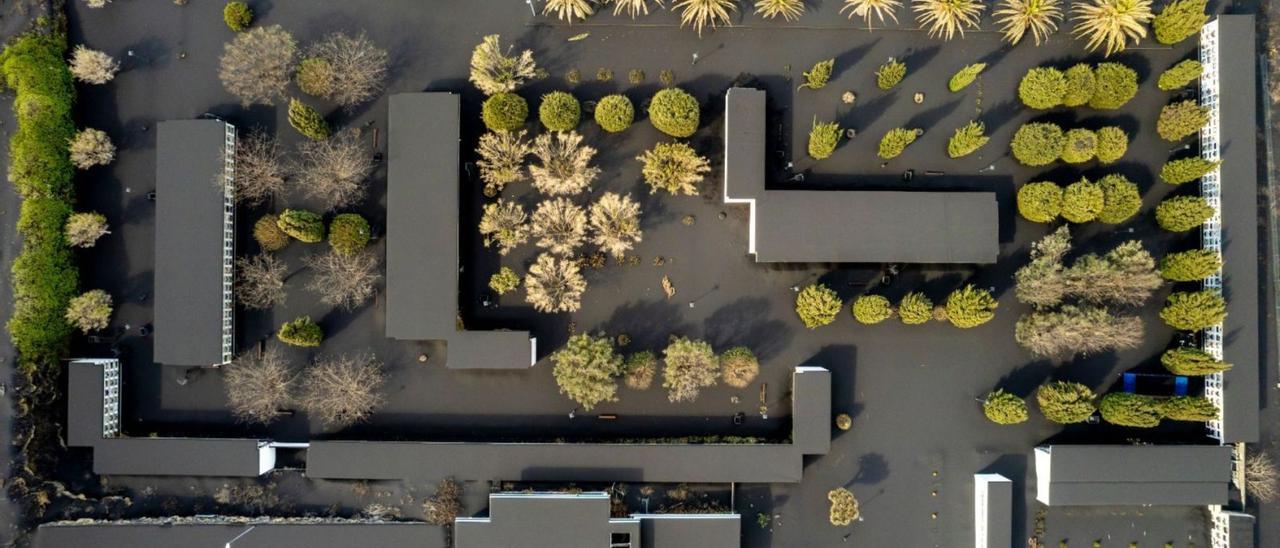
pixel 918 435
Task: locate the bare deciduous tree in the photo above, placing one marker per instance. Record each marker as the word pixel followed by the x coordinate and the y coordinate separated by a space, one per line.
pixel 260 170
pixel 615 223
pixel 495 71
pixel 503 223
pixel 359 67
pixel 559 226
pixel 334 170
pixel 1073 330
pixel 91 147
pixel 344 280
pixel 92 66
pixel 257 64
pixel 258 386
pixel 564 164
pixel 260 281
pixel 342 390
pixel 1261 477
pixel 501 159
pixel 554 285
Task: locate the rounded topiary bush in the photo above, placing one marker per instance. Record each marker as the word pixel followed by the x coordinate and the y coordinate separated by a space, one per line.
pixel 1193 311
pixel 237 16
pixel 915 309
pixel 817 305
pixel 1133 410
pixel 1190 266
pixel 1040 202
pixel 504 111
pixel 1002 407
pixel 1065 402
pixel 308 121
pixel 1120 199
pixel 315 77
pixel 303 226
pixel 1042 88
pixel 504 281
pixel 559 111
pixel 1080 85
pixel 1079 146
pixel 1115 84
pixel 1185 170
pixel 1180 75
pixel 348 233
pixel 1037 143
pixel 1113 143
pixel 1189 408
pixel 1181 119
pixel 1186 360
pixel 639 370
pixel 302 331
pixel 1082 201
pixel 739 366
pixel 615 113
pixel 268 233
pixel 872 309
pixel 1183 213
pixel 674 112
pixel 970 307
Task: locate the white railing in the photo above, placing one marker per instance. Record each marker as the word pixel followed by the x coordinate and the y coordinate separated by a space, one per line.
pixel 1219 527
pixel 228 244
pixel 110 398
pixel 1211 190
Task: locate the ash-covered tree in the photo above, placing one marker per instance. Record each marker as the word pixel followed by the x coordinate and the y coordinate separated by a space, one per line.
pixel 559 226
pixel 340 391
pixel 688 366
pixel 844 507
pixel 1002 407
pixel 587 370
pixel 501 160
pixel 333 171
pixel 90 310
pixel 674 167
pixel 91 147
pixel 1072 330
pixel 359 67
pixel 495 70
pixel 259 386
pixel 554 285
pixel 817 305
pixel 503 224
pixel 260 170
pixel 1065 402
pixel 615 224
pixel 564 164
pixel 260 281
pixel 92 66
pixel 1191 361
pixel 84 229
pixel 256 65
pixel 344 280
pixel 1041 282
pixel 1126 275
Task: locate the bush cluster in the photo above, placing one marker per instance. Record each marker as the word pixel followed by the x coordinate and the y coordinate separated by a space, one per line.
pixel 1042 88
pixel 674 112
pixel 1180 75
pixel 896 141
pixel 614 113
pixel 1116 84
pixel 1190 266
pixel 1040 202
pixel 304 226
pixel 1185 170
pixel 504 111
pixel 348 233
pixel 1037 143
pixel 1079 146
pixel 1183 213
pixel 1113 143
pixel 1120 199
pixel 302 331
pixel 1082 201
pixel 1181 119
pixel 44 273
pixel 237 16
pixel 1080 85
pixel 965 76
pixel 871 309
pixel 559 111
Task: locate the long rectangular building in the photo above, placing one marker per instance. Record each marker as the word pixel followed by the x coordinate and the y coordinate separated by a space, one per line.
pixel 847 226
pixel 1132 475
pixel 194 245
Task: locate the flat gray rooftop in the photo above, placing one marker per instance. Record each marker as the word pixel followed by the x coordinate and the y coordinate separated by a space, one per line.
pixel 1124 475
pixel 155 534
pixel 562 520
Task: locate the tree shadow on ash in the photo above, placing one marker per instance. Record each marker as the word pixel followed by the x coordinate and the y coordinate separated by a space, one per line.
pixel 747 322
pixel 648 323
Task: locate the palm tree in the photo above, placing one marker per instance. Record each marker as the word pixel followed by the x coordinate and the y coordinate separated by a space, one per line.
pixel 1016 17
pixel 568 10
pixel 633 7
pixel 947 17
pixel 866 8
pixel 1111 23
pixel 790 10
pixel 703 12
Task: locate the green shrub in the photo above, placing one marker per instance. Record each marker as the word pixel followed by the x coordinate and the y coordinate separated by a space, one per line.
pixel 315 77
pixel 237 16
pixel 1190 266
pixel 1179 75
pixel 1065 402
pixel 41 221
pixel 640 368
pixel 302 331
pixel 896 141
pixel 1190 361
pixel 915 308
pixel 819 75
pixel 871 309
pixel 1189 408
pixel 504 281
pixel 504 111
pixel 1120 199
pixel 559 111
pixel 1113 143
pixel 967 139
pixel 1181 119
pixel 817 305
pixel 268 234
pixel 1040 202
pixel 965 76
pixel 1116 85
pixel 586 370
pixel 674 112
pixel 1185 170
pixel 1183 213
pixel 615 113
pixel 1181 19
pixel 348 233
pixel 1002 407
pixel 1133 410
pixel 1042 88
pixel 304 226
pixel 1193 311
pixel 1079 146
pixel 970 307
pixel 1082 201
pixel 1080 85
pixel 1037 143
pixel 890 74
pixel 823 139
pixel 308 121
